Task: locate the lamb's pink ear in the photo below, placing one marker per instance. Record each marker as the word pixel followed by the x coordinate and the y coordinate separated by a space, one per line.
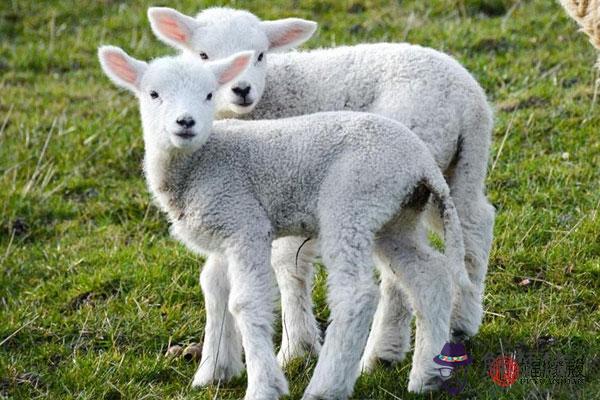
pixel 287 33
pixel 123 70
pixel 230 68
pixel 172 27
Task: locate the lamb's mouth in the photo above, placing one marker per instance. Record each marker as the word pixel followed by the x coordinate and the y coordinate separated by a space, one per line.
pixel 244 103
pixel 185 134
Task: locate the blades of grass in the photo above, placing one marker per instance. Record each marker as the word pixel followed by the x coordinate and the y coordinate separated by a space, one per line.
pixel 36 171
pixel 31 321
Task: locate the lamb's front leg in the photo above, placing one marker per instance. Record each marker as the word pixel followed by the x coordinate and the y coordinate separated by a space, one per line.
pixel 251 302
pixel 222 348
pixel 293 265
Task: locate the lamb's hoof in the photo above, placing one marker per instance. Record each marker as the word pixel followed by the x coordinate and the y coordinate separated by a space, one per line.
pixel 459 336
pixel 314 396
pixel 274 395
pixel 461 331
pixel 268 388
pixel 308 396
pixel 389 360
pixel 208 374
pixel 424 384
pixel 387 363
pixel 331 392
pixel 367 367
pixel 287 354
pixel 466 319
pixel 267 395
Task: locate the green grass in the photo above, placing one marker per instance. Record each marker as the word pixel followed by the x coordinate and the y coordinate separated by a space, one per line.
pixel 93 289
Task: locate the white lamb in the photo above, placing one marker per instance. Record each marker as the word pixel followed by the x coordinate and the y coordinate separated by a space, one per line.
pixel 428 91
pixel 357 181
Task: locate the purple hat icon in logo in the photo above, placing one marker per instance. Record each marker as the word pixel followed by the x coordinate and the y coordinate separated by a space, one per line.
pixel 453 354
pixel 452 359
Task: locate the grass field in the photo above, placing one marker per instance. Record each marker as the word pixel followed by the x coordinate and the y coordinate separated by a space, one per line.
pixel 93 289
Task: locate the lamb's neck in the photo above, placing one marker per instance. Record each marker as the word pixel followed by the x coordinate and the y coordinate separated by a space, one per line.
pixel 166 174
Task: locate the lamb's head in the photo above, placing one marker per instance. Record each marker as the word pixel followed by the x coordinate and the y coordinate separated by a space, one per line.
pixel 176 94
pixel 218 33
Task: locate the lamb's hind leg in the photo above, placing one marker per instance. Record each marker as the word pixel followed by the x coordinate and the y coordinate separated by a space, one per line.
pixel 292 260
pixel 222 348
pixel 390 336
pixel 477 221
pixel 426 279
pixel 476 215
pixel 389 340
pixel 352 295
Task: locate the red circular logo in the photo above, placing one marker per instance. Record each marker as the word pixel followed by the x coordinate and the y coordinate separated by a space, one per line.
pixel 504 371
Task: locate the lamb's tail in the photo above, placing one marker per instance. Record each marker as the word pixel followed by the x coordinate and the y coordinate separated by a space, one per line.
pixel 587 15
pixel 453 236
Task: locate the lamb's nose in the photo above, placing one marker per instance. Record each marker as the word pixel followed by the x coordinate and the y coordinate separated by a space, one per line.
pixel 186 121
pixel 241 90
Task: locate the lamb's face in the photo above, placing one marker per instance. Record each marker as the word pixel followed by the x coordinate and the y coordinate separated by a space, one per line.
pixel 218 33
pixel 177 104
pixel 223 32
pixel 176 94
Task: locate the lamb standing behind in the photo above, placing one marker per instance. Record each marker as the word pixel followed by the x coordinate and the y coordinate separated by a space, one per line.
pixel 426 90
pixel 229 190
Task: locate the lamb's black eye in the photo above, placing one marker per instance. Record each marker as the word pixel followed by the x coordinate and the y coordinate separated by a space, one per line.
pixel 153 94
pixel 203 55
pixel 209 96
pixel 260 57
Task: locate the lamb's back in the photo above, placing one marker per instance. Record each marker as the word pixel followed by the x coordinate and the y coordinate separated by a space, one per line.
pixel 428 91
pixel 286 161
pixel 356 77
